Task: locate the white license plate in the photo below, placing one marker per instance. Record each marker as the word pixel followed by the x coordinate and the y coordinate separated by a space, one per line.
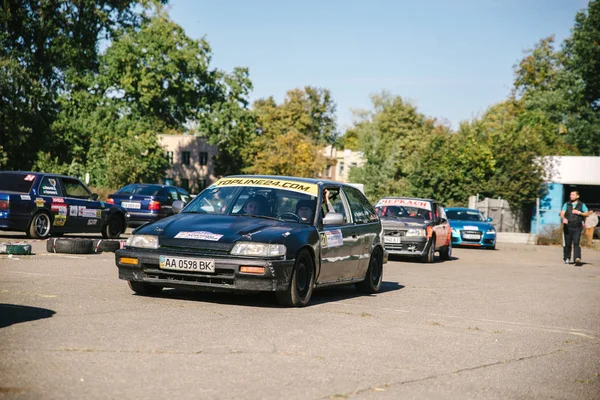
pixel 187 264
pixel 137 206
pixel 471 236
pixel 391 239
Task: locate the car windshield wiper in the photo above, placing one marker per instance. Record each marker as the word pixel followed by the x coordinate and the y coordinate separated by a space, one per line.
pixel 257 216
pixel 194 212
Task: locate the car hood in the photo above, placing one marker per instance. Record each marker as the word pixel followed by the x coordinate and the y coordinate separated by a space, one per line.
pixel 219 228
pixel 403 223
pixel 470 225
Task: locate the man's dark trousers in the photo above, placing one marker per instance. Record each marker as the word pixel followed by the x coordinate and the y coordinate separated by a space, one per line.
pixel 572 237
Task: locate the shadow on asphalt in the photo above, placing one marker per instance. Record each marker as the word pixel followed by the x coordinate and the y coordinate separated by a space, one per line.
pixel 11 314
pixel 268 300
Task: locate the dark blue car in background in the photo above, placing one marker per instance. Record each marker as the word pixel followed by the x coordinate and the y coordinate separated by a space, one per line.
pixel 470 228
pixel 41 205
pixel 147 202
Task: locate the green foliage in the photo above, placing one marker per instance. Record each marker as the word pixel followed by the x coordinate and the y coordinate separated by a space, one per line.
pixel 290 136
pixel 388 136
pixel 42 43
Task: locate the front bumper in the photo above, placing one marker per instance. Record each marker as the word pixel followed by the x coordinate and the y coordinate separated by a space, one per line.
pixel 408 246
pixel 486 240
pixel 227 275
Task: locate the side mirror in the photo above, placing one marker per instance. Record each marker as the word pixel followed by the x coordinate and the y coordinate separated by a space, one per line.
pixel 178 206
pixel 333 219
pixel 489 219
pixel 94 196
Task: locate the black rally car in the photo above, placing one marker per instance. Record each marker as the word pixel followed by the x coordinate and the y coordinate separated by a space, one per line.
pixel 41 205
pixel 260 233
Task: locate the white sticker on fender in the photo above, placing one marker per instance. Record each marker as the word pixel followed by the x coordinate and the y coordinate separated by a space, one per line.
pixel 332 239
pixel 199 235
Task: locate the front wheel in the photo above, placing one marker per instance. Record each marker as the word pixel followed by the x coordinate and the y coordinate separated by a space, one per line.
pixel 429 255
pixel 301 285
pixel 40 225
pixel 372 282
pixel 143 288
pixel 113 227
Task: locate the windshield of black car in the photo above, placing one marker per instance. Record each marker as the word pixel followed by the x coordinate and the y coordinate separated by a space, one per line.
pixel 403 212
pixel 464 215
pixel 255 201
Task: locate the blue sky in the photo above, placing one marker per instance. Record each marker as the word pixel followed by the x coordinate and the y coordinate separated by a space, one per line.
pixel 452 59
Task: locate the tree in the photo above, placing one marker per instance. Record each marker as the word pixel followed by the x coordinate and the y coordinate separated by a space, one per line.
pixel 42 42
pixel 290 136
pixel 388 135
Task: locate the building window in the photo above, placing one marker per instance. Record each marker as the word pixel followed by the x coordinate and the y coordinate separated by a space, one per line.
pixel 201 184
pixel 341 169
pixel 328 171
pixel 169 155
pixel 185 183
pixel 203 158
pixel 185 157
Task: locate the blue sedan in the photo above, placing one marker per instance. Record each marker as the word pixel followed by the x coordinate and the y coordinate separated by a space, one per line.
pixel 470 228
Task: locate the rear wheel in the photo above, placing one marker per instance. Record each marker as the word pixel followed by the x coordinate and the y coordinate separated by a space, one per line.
pixel 40 225
pixel 113 227
pixel 301 285
pixel 143 288
pixel 374 276
pixel 446 254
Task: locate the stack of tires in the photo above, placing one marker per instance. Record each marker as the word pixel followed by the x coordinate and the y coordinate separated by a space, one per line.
pixel 82 245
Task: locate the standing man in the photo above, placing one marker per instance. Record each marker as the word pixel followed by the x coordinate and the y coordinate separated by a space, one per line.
pixel 573 214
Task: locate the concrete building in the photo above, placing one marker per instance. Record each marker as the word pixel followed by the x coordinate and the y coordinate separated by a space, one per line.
pixel 568 173
pixel 191 161
pixel 339 163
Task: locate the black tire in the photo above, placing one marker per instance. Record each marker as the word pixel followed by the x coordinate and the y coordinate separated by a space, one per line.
pixel 15 248
pixel 70 245
pixel 446 253
pixel 373 277
pixel 429 255
pixel 302 283
pixel 114 226
pixel 39 227
pixel 101 245
pixel 143 288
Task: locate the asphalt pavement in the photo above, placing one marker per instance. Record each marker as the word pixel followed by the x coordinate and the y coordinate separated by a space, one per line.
pixel 511 323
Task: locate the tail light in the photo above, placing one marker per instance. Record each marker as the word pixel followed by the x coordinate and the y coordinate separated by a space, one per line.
pixel 4 204
pixel 110 201
pixel 154 206
pixel 429 231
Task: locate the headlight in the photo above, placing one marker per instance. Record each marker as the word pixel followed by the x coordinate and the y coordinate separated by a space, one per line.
pixel 491 232
pixel 415 232
pixel 258 249
pixel 143 241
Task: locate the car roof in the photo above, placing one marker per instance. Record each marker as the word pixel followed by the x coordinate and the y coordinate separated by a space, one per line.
pixel 37 173
pixel 315 181
pixel 408 198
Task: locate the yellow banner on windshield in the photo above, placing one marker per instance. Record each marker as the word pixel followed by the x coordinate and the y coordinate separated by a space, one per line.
pixel 301 187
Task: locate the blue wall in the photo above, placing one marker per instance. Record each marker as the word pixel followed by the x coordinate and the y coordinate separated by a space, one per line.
pixel 550 207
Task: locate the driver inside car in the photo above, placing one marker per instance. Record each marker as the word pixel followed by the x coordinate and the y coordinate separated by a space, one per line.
pixel 304 209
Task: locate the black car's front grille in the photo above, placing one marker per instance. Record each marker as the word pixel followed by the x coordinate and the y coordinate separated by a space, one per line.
pixel 195 246
pixel 222 276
